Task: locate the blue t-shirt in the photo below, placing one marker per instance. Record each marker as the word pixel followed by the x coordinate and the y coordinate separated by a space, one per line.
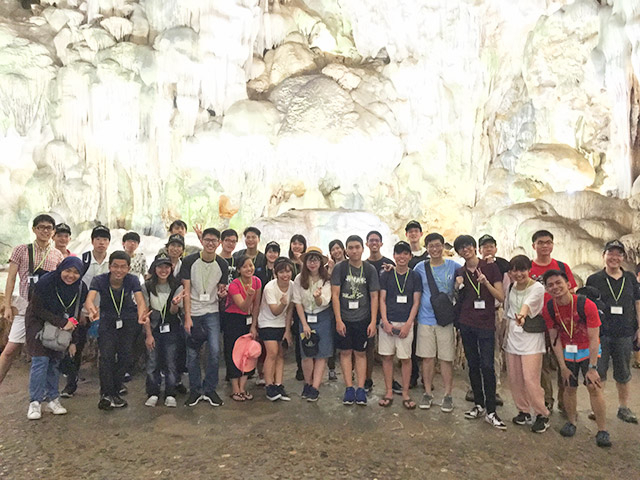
pixel 122 296
pixel 445 278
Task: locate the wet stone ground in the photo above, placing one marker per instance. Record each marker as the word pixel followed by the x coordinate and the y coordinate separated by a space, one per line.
pixel 297 439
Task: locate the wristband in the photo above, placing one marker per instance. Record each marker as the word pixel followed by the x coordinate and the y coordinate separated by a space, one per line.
pixel 73 321
pixel 593 367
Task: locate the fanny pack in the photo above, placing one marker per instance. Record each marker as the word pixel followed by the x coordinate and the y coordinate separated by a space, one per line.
pixel 534 324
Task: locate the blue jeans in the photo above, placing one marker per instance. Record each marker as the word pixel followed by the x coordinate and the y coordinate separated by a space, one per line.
pixel 163 358
pixel 43 379
pixel 206 328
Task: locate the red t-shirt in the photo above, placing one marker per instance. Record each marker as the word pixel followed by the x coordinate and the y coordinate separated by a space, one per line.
pixel 236 288
pixel 564 316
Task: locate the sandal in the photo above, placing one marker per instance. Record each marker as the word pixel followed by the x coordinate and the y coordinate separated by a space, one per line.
pixel 238 397
pixel 409 404
pixel 247 395
pixel 385 402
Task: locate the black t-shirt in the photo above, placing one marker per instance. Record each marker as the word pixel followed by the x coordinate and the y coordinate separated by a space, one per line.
pixel 377 264
pixel 233 270
pixel 393 283
pixel 503 265
pixel 355 286
pixel 260 262
pixel 614 324
pixel 121 296
pixel 416 259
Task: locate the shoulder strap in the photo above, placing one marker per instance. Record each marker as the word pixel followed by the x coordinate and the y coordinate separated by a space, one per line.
pixel 551 311
pixel 30 252
pixel 433 288
pixel 86 261
pixel 77 311
pixel 562 266
pixel 582 300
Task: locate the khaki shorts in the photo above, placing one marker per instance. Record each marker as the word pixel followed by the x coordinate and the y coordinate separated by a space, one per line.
pixel 18 333
pixel 393 344
pixel 436 341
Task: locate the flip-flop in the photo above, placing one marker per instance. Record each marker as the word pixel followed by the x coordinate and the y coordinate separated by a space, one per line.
pixel 385 402
pixel 409 404
pixel 238 397
pixel 247 395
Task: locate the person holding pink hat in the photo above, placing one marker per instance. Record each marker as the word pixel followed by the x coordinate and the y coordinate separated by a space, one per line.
pixel 246 352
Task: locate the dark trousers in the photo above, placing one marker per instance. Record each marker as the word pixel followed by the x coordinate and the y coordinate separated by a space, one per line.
pixel 295 333
pixel 416 362
pixel 115 348
pixel 478 349
pixel 70 366
pixel 235 326
pixel 163 359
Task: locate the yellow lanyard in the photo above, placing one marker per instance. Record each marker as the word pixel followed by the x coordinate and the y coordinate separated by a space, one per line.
pixel 208 266
pixel 616 297
pixel 44 257
pixel 406 276
pixel 116 307
pixel 476 289
pixel 555 306
pixel 66 307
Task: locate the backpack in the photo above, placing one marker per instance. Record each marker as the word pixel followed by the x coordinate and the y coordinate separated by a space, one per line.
pixel 593 294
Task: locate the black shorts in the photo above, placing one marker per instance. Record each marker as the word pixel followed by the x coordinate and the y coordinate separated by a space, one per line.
pixel 271 334
pixel 355 337
pixel 576 368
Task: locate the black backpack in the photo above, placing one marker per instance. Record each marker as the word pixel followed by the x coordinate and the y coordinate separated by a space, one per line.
pixel 582 300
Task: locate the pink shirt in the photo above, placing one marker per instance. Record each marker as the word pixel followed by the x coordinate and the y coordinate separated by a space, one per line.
pixel 237 288
pixel 47 259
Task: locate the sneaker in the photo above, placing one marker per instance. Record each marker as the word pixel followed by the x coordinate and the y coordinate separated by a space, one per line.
pixel 602 439
pixel 34 412
pixel 396 388
pixel 67 392
pixel 193 399
pixel 126 378
pixel 105 403
pixel 333 376
pixel 117 402
pixel 56 408
pixel 476 412
pixel 283 393
pixel 305 391
pixel 447 404
pixel 123 390
pixel 499 401
pixel 273 393
pixel 427 400
pixel 494 420
pixel 261 382
pixel 213 399
pixel 312 394
pixel 569 430
pixel 592 416
pixel 540 425
pixel 626 415
pixel 152 401
pixel 549 406
pixel 361 396
pixel 469 396
pixel 299 375
pixel 181 389
pixel 349 396
pixel 522 418
pixel 170 402
pixel 368 385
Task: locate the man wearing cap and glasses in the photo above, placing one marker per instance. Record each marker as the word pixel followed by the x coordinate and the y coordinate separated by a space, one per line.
pixel 61 239
pixel 620 323
pixel 29 262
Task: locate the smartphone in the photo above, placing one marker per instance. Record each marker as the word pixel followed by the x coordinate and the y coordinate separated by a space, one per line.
pixel 284 343
pixel 395 331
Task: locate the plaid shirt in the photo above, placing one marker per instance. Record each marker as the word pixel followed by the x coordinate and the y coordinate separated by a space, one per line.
pixel 49 256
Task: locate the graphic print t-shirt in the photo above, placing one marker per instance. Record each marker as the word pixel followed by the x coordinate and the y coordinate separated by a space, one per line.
pixel 355 285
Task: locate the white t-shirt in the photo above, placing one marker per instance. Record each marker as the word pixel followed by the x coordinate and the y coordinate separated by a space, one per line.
pixel 523 343
pixel 305 297
pixel 271 295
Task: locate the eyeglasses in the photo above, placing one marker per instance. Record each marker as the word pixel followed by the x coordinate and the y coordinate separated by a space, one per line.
pixel 44 228
pixel 313 260
pixel 209 240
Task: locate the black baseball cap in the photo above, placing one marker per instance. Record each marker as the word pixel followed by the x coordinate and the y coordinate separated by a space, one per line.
pixel 63 228
pixel 413 224
pixel 100 232
pixel 310 346
pixel 401 246
pixel 176 238
pixel 486 239
pixel 615 244
pixel 161 259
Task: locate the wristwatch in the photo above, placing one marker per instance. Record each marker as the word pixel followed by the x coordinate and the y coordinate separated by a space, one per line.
pixel 593 367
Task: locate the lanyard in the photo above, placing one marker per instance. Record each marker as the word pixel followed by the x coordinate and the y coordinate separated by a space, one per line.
pixel 555 306
pixel 116 307
pixel 208 267
pixel 406 276
pixel 476 289
pixel 44 257
pixel 66 307
pixel 163 312
pixel 616 297
pixel 361 271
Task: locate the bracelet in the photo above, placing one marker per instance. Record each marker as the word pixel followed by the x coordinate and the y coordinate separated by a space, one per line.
pixel 593 367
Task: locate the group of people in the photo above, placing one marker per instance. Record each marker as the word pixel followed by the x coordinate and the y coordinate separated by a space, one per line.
pixel 415 308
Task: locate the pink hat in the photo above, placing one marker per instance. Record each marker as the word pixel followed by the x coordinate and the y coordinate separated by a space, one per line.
pixel 246 352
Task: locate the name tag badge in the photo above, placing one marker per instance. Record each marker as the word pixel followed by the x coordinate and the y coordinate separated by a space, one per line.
pixel 165 328
pixel 118 324
pixel 572 348
pixel 32 279
pixel 518 329
pixel 312 319
pixel 401 299
pixel 354 305
pixel 249 320
pixel 479 304
pixel 616 310
pixel 205 297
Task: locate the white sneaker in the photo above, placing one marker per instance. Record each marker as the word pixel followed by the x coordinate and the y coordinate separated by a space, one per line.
pixel 152 401
pixel 56 408
pixel 170 402
pixel 494 420
pixel 34 412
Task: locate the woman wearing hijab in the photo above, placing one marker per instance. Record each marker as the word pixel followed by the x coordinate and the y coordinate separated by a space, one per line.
pixel 56 299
